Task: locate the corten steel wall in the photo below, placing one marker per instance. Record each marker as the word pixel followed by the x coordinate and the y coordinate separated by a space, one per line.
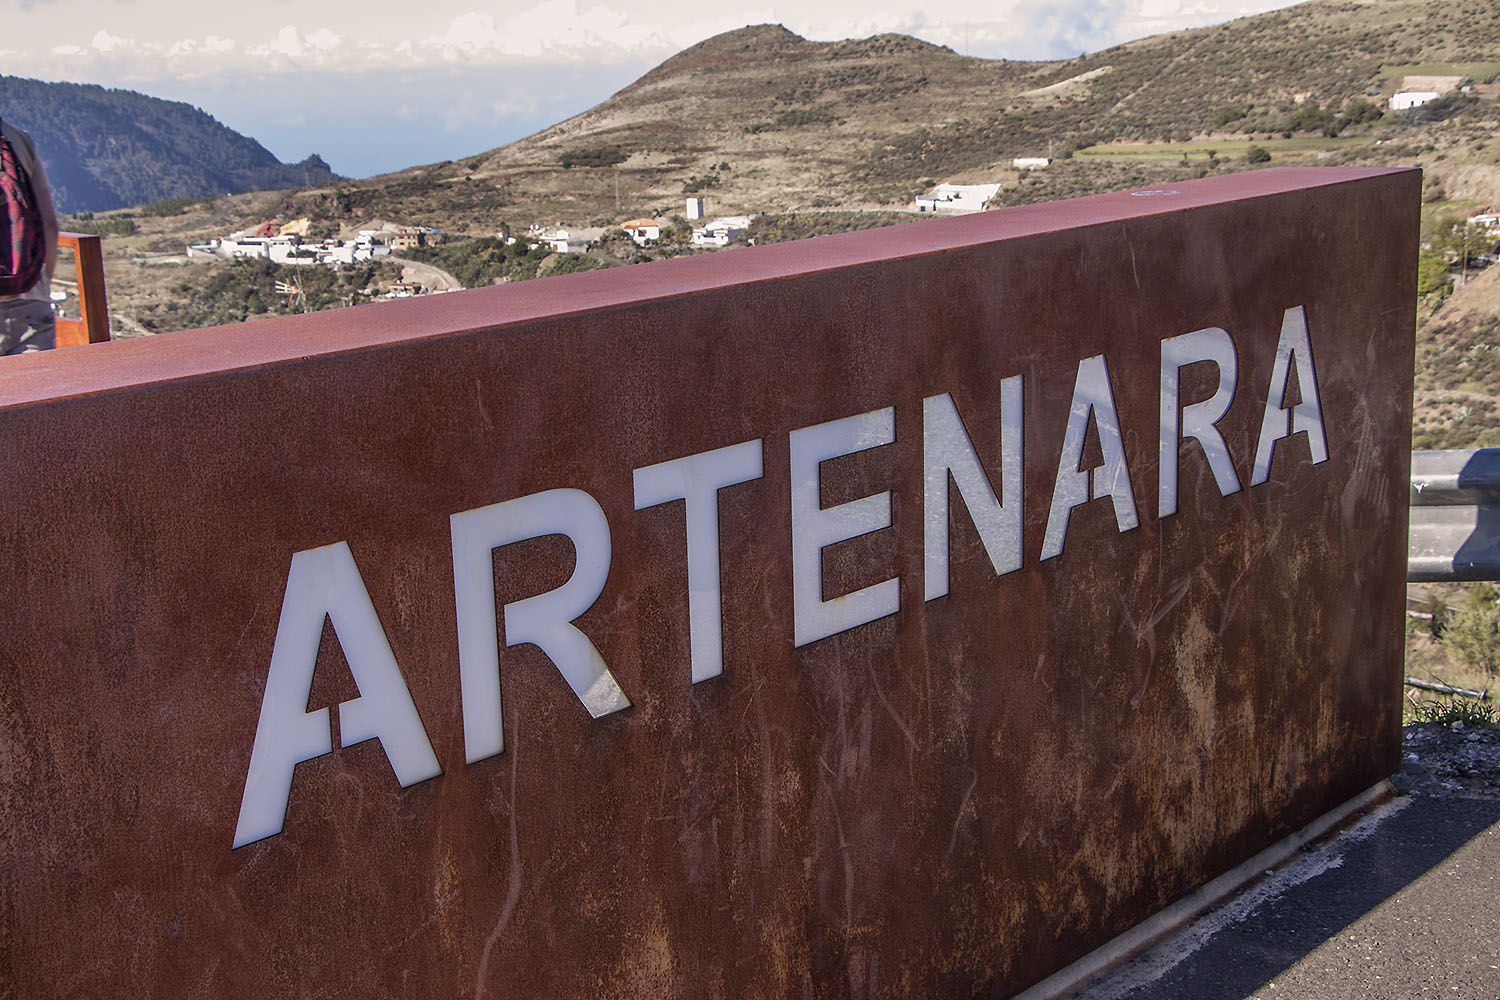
pixel 960 797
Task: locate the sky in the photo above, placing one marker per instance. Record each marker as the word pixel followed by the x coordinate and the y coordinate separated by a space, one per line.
pixel 378 85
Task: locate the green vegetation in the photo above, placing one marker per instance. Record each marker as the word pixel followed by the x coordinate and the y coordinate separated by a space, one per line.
pixel 1297 146
pixel 1390 76
pixel 1457 646
pixel 247 289
pixel 1473 634
pixel 798 117
pixel 802 225
pixel 712 179
pixel 1462 241
pixel 1434 281
pixel 481 262
pixel 695 183
pixel 603 156
pixel 84 222
pixel 172 206
pixel 1225 116
pixel 1445 712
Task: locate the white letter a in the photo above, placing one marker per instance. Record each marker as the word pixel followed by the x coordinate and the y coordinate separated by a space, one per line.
pixel 325 581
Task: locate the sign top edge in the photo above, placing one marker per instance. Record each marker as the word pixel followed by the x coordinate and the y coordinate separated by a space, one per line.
pixel 189 354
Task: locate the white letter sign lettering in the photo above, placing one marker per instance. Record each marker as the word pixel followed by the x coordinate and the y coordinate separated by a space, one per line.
pixel 326 582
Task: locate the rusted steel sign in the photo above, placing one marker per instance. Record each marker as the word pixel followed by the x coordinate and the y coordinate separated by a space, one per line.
pixel 901 613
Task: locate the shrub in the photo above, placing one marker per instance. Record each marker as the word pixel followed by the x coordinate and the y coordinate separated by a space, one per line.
pixel 603 156
pixel 1432 274
pixel 170 207
pixel 1446 713
pixel 1360 111
pixel 695 183
pixel 1473 634
pixel 98 227
pixel 804 116
pixel 1258 154
pixel 1233 113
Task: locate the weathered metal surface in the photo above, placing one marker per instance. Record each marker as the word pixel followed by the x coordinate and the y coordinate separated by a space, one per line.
pixel 1455 515
pixel 956 798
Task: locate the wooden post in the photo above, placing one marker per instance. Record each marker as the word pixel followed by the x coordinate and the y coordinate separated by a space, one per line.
pixel 93 325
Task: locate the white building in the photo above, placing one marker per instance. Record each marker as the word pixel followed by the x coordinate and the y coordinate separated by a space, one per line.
pixel 955 199
pixel 1030 162
pixel 1491 223
pixel 721 232
pixel 564 240
pixel 1405 99
pixel 642 231
pixel 290 249
pixel 696 208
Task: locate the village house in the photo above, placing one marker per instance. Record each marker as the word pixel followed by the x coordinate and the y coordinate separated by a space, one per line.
pixel 721 232
pixel 1488 220
pixel 289 248
pixel 1406 99
pixel 955 199
pixel 404 239
pixel 642 231
pixel 1416 91
pixel 564 240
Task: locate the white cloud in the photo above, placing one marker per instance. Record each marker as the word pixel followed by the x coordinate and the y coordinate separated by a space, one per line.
pixel 552 28
pixel 109 41
pixel 103 41
pixel 290 44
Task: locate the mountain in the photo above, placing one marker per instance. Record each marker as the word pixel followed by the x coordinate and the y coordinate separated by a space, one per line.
pixel 763 120
pixel 107 149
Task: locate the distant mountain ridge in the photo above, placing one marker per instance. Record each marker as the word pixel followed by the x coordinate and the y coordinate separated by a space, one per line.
pixel 106 148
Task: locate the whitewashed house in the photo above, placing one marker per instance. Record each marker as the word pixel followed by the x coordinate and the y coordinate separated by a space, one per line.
pixel 721 232
pixel 1406 99
pixel 642 231
pixel 955 199
pixel 1030 162
pixel 564 240
pixel 1490 222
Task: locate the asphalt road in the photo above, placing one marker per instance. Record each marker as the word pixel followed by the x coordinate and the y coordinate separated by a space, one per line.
pixel 1405 903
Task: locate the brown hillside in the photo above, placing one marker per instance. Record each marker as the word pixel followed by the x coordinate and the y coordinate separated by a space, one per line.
pixel 868 123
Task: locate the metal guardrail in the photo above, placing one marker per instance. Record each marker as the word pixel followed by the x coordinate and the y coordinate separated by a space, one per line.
pixel 1455 516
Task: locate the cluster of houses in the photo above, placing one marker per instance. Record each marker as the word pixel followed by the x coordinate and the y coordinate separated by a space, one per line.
pixel 287 243
pixel 719 232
